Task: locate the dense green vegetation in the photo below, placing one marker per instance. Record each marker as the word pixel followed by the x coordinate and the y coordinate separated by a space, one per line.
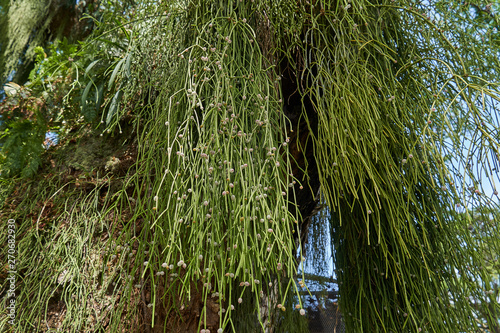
pixel 194 137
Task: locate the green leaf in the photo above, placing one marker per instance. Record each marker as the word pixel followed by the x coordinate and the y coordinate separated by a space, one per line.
pixel 114 106
pixel 128 64
pixel 115 73
pixel 100 97
pixel 92 64
pixel 87 113
pixel 122 28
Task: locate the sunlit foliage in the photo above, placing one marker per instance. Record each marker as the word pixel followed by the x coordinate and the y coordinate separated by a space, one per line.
pixel 403 97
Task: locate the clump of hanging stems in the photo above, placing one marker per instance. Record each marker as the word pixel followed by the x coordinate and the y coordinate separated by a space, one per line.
pixel 391 102
pixel 59 258
pixel 394 92
pixel 212 180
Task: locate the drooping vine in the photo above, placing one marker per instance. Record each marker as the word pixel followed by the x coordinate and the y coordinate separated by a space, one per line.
pixel 241 111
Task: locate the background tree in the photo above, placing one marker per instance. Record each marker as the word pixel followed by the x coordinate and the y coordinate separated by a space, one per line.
pixel 27 25
pixel 208 128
